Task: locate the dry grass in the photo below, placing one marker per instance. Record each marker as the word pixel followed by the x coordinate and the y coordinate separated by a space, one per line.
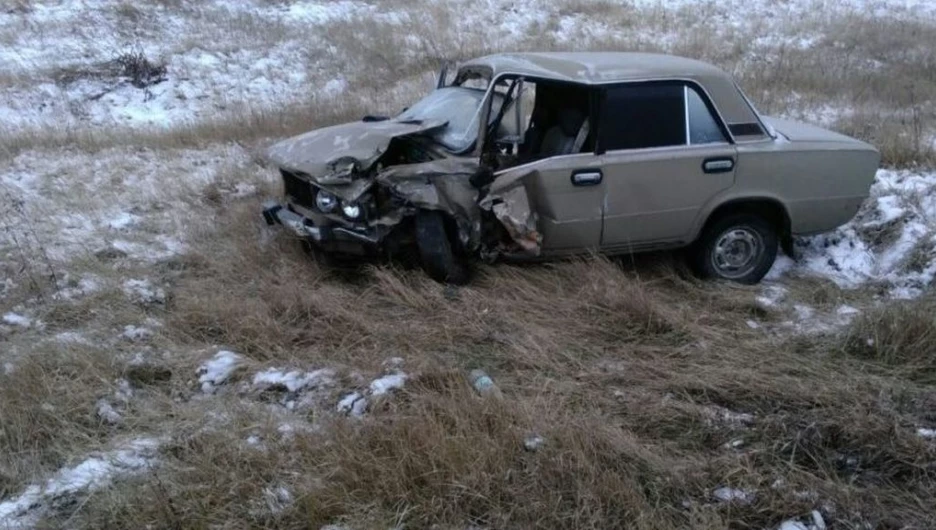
pixel 623 375
pixel 900 336
pixel 632 374
pixel 635 374
pixel 48 412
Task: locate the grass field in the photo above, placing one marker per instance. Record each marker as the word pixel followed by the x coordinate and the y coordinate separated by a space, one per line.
pixel 171 362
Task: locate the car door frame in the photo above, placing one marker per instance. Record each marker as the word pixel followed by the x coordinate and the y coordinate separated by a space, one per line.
pixel 648 152
pixel 586 163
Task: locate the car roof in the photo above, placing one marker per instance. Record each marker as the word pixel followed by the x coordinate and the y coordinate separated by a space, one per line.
pixel 594 67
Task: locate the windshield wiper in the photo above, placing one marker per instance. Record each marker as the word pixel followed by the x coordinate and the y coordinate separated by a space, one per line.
pixel 411 121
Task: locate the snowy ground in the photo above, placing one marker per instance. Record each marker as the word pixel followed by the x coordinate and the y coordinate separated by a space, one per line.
pixel 130 209
pixel 216 65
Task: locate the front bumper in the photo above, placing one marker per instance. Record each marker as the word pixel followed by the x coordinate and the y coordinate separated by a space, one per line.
pixel 275 213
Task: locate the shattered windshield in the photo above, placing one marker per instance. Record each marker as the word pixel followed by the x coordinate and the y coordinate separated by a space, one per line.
pixel 459 107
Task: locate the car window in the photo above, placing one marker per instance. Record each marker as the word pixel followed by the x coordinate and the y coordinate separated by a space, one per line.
pixel 703 127
pixel 638 116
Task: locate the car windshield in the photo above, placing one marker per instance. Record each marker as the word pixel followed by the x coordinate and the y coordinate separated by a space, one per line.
pixel 459 107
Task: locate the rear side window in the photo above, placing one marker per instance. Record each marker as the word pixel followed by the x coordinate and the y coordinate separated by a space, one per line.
pixel 642 116
pixel 639 116
pixel 703 127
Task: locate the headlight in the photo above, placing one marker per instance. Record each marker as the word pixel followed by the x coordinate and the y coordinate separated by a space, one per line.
pixel 351 210
pixel 326 202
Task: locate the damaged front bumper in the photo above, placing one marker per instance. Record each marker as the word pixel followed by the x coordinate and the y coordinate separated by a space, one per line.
pixel 275 213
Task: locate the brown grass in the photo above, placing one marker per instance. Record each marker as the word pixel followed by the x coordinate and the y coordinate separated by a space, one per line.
pixel 622 374
pixel 48 412
pixel 633 373
pixel 623 369
pixel 901 336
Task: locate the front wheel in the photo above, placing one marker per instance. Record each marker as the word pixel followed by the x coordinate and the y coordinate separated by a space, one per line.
pixel 739 248
pixel 439 259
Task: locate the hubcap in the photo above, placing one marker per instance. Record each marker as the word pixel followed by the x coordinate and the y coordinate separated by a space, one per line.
pixel 736 252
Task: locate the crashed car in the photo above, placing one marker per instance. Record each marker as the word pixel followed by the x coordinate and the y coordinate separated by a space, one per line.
pixel 526 156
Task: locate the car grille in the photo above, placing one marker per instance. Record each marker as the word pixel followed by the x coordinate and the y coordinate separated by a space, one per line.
pixel 299 189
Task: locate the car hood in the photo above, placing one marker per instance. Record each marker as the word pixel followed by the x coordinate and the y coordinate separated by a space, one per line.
pixel 332 155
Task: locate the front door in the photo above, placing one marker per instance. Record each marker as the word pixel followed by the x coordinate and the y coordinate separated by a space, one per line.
pixel 566 192
pixel 665 155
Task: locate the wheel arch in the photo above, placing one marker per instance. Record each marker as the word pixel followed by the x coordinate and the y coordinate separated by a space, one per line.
pixel 772 209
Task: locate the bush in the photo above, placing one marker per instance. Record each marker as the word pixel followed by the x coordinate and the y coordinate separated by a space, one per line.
pixel 138 69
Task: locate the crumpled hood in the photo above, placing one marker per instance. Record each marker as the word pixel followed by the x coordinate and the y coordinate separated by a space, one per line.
pixel 330 155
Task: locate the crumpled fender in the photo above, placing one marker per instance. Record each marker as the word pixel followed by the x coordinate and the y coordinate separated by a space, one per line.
pixel 443 185
pixel 509 201
pixel 339 159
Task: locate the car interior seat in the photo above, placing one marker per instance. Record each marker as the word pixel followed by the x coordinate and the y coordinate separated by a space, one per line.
pixel 560 139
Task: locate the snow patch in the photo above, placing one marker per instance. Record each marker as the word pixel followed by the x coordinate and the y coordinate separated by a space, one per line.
pixel 385 384
pixel 16 319
pixel 91 474
pixel 353 404
pixel 107 413
pixel 136 333
pixel 218 370
pixel 816 523
pixel 533 443
pixel 781 266
pixel 892 239
pixel 739 496
pixel 85 286
pixel 293 381
pixel 144 292
pixel 771 296
pixel 122 221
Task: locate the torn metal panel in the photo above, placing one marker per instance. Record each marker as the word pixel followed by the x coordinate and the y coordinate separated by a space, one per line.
pixel 519 220
pixel 509 202
pixel 340 160
pixel 440 185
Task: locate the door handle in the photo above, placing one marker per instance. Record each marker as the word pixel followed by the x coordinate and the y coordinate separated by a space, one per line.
pixel 722 164
pixel 586 177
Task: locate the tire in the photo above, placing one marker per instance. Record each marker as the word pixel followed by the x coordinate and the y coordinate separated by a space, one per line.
pixel 439 259
pixel 739 247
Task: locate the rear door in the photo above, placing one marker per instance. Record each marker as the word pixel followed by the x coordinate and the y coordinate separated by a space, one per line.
pixel 665 153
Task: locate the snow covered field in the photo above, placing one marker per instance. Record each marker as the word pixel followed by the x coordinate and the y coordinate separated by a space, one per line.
pixel 149 317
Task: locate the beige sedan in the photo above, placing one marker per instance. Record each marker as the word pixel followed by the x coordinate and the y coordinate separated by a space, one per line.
pixel 538 155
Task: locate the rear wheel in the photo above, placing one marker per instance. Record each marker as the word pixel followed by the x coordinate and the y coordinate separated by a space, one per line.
pixel 436 251
pixel 739 247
